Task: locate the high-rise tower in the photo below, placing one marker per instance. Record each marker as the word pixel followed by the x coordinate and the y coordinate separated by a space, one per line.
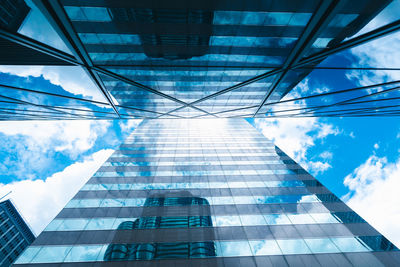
pixel 207 193
pixel 15 234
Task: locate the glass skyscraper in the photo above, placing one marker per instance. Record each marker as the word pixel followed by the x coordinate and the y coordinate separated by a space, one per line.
pixel 206 193
pixel 15 234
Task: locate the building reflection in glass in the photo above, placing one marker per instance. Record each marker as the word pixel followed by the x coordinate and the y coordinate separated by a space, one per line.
pixel 169 46
pixel 155 251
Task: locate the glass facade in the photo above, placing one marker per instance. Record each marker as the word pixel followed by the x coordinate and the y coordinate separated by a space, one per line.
pixel 189 58
pixel 208 193
pixel 15 234
pixel 13 14
pixel 192 59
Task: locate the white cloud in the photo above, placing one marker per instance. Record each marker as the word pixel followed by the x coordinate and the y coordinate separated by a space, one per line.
pixel 321 90
pixel 34 146
pixel 129 125
pixel 71 78
pixel 382 52
pixel 296 135
pixel 39 201
pixel 327 129
pixel 316 167
pixel 376 146
pixel 326 155
pixel 374 194
pixel 72 137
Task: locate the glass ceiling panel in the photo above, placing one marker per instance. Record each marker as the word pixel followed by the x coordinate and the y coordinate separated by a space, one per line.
pixel 248 112
pixel 245 97
pixel 187 84
pixel 190 52
pixel 188 113
pixel 131 96
pixel 36 26
pixel 16 102
pixel 348 22
pixel 132 113
pixel 325 101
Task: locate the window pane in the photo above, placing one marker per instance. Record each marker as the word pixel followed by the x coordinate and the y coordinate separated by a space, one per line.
pixel 297 246
pixel 265 247
pixel 322 245
pixel 349 244
pixel 240 248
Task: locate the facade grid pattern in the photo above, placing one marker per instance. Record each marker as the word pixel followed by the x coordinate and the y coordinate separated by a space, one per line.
pixel 214 192
pixel 15 234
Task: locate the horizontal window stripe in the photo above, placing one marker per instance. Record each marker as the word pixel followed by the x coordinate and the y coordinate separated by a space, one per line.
pixel 214 149
pixel 199 185
pixel 155 251
pixel 127 153
pixel 220 210
pixel 131 27
pixel 195 173
pixel 203 158
pixel 196 221
pixel 196 145
pixel 196 163
pixel 202 192
pixel 197 201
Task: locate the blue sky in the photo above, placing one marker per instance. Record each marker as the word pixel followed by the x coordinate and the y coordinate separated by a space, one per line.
pixel 45 163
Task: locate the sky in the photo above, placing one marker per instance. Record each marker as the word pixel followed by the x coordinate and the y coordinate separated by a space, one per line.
pixel 44 163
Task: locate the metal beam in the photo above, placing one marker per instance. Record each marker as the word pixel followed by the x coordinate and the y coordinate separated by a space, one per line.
pixel 94 70
pixel 58 19
pixel 356 41
pixel 318 21
pixel 367 37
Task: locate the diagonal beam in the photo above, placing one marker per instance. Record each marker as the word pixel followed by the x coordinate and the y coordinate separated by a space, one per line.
pixel 356 41
pixel 39 106
pixel 314 96
pixel 364 38
pixel 75 98
pixel 318 21
pixel 387 29
pixel 51 51
pixel 55 15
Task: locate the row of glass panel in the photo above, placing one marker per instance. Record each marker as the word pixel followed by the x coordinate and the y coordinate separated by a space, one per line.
pixel 206 185
pixel 195 163
pixel 200 144
pixel 134 98
pixel 204 141
pixel 226 58
pixel 210 153
pixel 178 147
pixel 242 41
pixel 194 93
pixel 90 253
pixel 206 128
pixel 195 173
pixel 217 221
pixel 179 72
pixel 229 133
pixel 189 201
pixel 97 14
pixel 168 136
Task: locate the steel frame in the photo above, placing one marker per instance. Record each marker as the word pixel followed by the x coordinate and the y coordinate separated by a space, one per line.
pixel 58 19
